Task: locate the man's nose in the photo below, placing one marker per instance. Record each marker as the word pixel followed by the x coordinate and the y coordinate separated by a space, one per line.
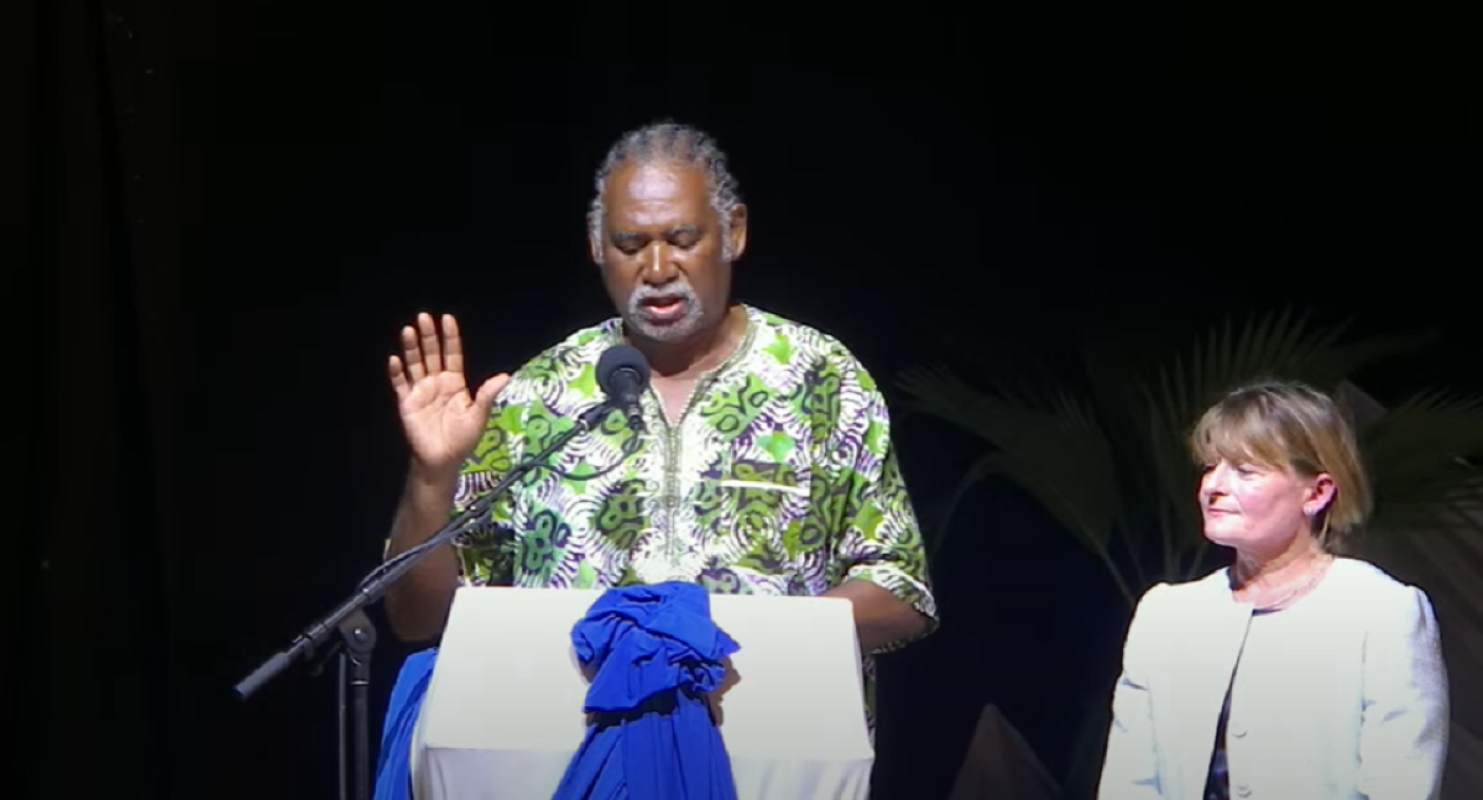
pixel 659 266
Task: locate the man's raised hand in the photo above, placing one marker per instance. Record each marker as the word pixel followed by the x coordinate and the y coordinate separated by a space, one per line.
pixel 441 419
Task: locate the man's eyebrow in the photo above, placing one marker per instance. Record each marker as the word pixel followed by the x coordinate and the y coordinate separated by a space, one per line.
pixel 624 237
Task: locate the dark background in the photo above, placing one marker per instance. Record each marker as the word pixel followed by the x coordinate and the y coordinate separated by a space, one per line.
pixel 224 213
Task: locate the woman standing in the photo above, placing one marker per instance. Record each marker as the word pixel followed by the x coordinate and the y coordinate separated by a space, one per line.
pixel 1294 674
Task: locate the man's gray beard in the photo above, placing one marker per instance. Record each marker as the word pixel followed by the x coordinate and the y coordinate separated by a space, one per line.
pixel 680 329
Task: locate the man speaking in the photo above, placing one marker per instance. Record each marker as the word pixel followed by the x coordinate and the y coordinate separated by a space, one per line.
pixel 763 464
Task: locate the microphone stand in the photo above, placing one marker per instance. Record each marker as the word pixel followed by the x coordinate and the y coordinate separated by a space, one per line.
pixel 354 637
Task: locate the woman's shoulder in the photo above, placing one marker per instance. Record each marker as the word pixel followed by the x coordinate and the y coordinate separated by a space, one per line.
pixel 1350 574
pixel 1397 617
pixel 1363 595
pixel 1213 587
pixel 1363 583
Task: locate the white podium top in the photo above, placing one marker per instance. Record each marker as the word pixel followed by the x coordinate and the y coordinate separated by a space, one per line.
pixel 503 713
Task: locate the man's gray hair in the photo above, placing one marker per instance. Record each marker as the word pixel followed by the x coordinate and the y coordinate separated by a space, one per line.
pixel 669 141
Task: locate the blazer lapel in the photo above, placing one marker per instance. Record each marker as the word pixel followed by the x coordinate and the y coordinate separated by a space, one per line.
pixel 1213 632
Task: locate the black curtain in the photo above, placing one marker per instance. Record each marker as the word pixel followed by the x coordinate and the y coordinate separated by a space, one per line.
pixel 92 367
pixel 178 513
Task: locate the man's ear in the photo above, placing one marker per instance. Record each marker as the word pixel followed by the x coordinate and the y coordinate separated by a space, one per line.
pixel 738 231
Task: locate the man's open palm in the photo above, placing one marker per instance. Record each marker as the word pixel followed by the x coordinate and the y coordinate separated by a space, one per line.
pixel 441 418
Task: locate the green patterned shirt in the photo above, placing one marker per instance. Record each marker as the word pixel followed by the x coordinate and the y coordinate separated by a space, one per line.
pixel 779 478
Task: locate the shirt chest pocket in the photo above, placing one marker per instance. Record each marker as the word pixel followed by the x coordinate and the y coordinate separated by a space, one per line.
pixel 758 499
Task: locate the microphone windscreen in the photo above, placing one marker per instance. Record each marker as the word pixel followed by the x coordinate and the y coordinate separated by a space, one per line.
pixel 618 358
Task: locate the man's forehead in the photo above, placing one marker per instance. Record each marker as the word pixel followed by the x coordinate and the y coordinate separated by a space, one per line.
pixel 652 181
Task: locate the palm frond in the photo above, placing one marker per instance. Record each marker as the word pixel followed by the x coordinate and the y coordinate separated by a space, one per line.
pixel 1014 373
pixel 1338 362
pixel 1057 454
pixel 1279 345
pixel 1418 455
pixel 993 415
pixel 1176 478
pixel 937 518
pixel 1180 389
pixel 1105 450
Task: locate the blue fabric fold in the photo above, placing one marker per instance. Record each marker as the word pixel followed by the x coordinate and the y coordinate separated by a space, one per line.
pixel 394 763
pixel 654 654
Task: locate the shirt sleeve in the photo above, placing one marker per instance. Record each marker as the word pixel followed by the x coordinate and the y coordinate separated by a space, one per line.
pixel 877 537
pixel 1130 763
pixel 1404 727
pixel 488 548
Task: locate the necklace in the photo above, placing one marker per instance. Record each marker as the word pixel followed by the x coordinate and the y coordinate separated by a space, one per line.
pixel 1293 593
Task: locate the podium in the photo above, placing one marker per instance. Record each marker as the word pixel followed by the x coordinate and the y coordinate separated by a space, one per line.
pixel 503 714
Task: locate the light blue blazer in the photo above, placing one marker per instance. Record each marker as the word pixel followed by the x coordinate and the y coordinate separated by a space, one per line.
pixel 1340 696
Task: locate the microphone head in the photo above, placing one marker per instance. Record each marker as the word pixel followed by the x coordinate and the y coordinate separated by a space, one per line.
pixel 622 358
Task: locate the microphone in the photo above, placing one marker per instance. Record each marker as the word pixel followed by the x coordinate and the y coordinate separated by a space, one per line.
pixel 623 374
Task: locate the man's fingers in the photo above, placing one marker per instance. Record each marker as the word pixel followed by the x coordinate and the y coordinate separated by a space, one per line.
pixel 399 380
pixel 488 389
pixel 452 345
pixel 412 355
pixel 432 353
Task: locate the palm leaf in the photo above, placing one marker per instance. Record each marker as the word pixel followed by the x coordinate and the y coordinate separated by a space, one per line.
pixel 1107 456
pixel 936 518
pixel 1181 389
pixel 1338 362
pixel 1105 451
pixel 1418 456
pixel 1015 373
pixel 1280 344
pixel 1444 554
pixel 1109 364
pixel 1058 455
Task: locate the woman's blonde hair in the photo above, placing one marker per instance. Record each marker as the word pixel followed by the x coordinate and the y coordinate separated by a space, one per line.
pixel 1294 427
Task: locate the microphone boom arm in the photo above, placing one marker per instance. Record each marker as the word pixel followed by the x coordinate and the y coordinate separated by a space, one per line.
pixel 357 636
pixel 373 586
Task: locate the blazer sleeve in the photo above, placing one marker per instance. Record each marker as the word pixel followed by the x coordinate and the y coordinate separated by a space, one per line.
pixel 1130 764
pixel 1405 718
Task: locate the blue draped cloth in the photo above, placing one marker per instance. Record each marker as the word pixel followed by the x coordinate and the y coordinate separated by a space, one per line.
pixel 656 654
pixel 394 764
